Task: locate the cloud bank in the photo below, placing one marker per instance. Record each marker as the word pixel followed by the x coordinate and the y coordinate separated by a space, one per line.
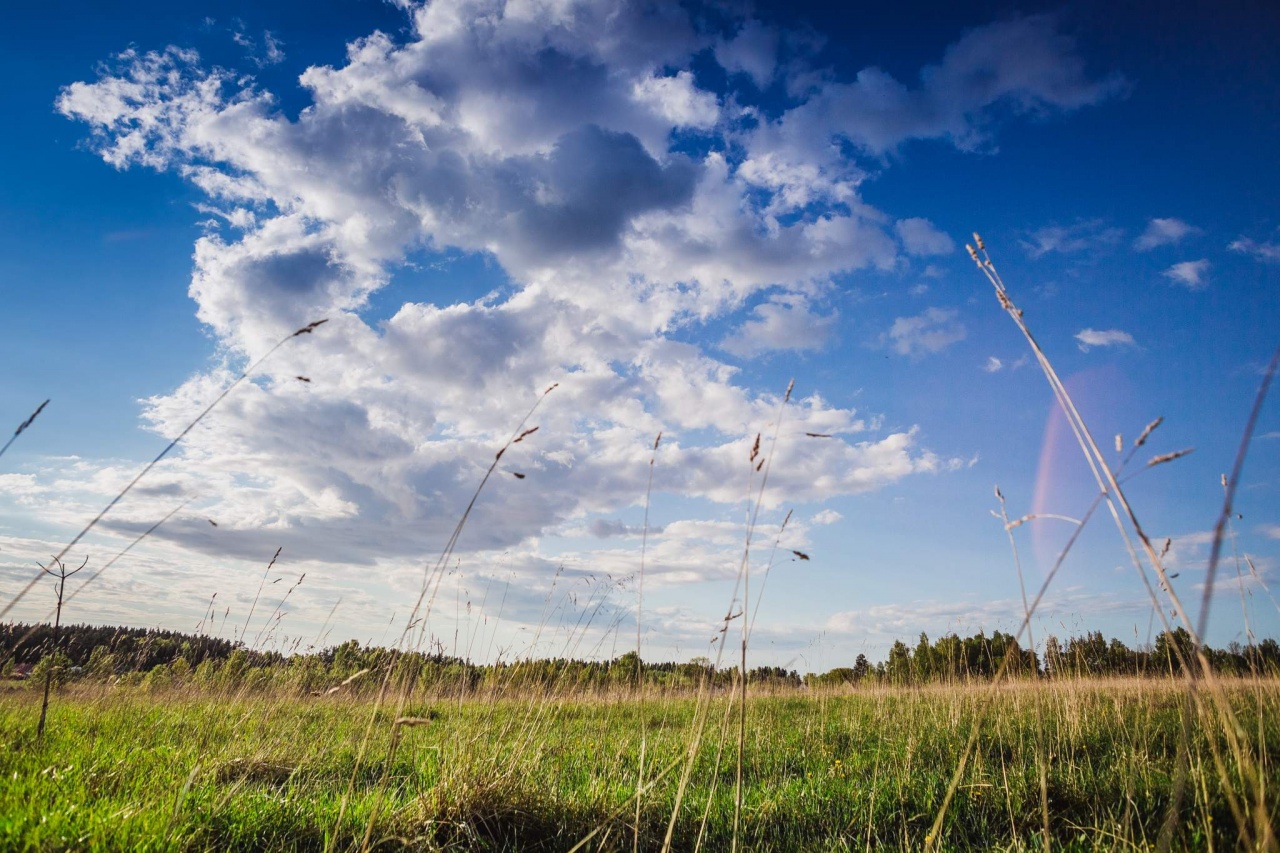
pixel 626 201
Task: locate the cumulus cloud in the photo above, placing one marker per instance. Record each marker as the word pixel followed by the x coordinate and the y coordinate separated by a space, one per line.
pixel 1068 239
pixel 545 141
pixel 929 332
pixel 1090 338
pixel 826 516
pixel 1164 232
pixel 1190 274
pixel 781 323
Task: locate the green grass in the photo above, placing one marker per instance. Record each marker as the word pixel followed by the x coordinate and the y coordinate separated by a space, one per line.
pixel 126 769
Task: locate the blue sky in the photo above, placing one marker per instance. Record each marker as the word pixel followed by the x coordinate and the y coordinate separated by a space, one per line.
pixel 671 210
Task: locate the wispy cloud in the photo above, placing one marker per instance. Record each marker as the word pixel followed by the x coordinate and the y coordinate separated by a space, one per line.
pixel 936 617
pixel 1268 252
pixel 1164 232
pixel 270 52
pixel 1192 275
pixel 1023 63
pixel 920 237
pixel 929 332
pixel 1090 338
pixel 993 365
pixel 1070 239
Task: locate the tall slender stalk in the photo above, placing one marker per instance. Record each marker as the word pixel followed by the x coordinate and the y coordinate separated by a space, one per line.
pixel 644 723
pixel 59 571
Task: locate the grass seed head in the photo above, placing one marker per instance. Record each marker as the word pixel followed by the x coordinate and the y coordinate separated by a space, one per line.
pixel 29 421
pixel 1146 433
pixel 1168 457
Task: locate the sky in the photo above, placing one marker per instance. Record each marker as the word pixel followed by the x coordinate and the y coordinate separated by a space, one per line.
pixel 669 212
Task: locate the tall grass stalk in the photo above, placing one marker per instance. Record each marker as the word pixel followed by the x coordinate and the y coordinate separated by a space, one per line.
pixel 644 723
pixel 1118 504
pixel 432 578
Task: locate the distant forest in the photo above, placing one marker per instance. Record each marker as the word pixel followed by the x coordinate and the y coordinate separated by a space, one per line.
pixel 156 659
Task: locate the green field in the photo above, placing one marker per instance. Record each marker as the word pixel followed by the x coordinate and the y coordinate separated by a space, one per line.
pixel 127 768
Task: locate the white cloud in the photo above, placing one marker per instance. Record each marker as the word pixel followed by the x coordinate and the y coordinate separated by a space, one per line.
pixel 1268 253
pixel 782 323
pixel 1271 531
pixel 540 138
pixel 1089 338
pixel 929 332
pixel 993 365
pixel 920 237
pixel 1067 239
pixel 678 100
pixel 1189 274
pixel 826 516
pixel 1164 232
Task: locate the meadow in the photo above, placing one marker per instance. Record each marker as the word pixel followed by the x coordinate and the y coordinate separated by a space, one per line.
pixel 185 769
pixel 1018 757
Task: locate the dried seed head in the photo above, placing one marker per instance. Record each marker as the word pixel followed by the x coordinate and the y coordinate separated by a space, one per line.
pixel 801 554
pixel 517 475
pixel 790 385
pixel 1224 481
pixel 309 328
pixel 1165 549
pixel 999 496
pixel 22 426
pixel 1146 433
pixel 755 449
pixel 1168 457
pixel 1119 443
pixel 978 239
pixel 818 434
pixel 972 253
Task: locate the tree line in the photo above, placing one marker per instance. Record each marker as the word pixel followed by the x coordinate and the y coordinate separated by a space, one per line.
pixel 159 659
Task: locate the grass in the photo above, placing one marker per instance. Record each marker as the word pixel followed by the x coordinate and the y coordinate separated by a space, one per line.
pixel 126 769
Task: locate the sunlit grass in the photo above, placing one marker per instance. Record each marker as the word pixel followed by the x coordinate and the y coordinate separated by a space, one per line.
pixel 129 769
